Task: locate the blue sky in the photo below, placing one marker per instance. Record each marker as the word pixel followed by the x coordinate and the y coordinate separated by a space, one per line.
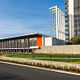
pixel 18 17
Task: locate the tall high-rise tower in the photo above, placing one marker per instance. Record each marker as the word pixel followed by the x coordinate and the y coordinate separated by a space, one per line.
pixel 72 15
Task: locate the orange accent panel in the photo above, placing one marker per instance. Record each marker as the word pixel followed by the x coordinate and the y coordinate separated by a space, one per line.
pixel 39 41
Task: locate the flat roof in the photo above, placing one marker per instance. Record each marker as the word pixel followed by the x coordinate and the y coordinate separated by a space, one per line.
pixel 24 36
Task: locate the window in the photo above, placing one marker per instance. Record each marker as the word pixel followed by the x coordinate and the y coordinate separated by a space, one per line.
pixel 32 41
pixel 22 43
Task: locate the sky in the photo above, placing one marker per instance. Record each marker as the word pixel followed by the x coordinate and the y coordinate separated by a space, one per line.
pixel 19 17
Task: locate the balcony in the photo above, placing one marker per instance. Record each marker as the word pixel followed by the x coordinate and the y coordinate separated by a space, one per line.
pixel 67 25
pixel 66 7
pixel 66 20
pixel 66 29
pixel 66 3
pixel 66 12
pixel 67 39
pixel 67 34
pixel 67 16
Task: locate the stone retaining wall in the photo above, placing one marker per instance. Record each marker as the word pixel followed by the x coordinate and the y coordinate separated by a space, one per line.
pixel 64 49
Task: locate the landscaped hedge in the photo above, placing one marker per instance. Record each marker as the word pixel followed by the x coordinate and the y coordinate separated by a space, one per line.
pixel 47 64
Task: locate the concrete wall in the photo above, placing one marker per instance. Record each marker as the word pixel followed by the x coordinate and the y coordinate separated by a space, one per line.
pixel 66 49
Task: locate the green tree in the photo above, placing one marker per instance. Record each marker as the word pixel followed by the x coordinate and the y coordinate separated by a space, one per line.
pixel 75 40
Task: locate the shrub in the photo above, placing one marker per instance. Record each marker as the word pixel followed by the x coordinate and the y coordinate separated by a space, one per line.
pixel 75 40
pixel 66 68
pixel 72 68
pixel 69 43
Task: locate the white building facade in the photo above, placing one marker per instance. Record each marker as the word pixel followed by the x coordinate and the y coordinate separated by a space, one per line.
pixel 57 26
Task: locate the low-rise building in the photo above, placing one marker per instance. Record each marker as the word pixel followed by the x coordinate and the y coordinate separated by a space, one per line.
pixel 27 43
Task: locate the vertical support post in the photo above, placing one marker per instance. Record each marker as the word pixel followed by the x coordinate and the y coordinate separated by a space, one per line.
pixel 51 23
pixel 56 22
pixel 24 46
pixel 28 45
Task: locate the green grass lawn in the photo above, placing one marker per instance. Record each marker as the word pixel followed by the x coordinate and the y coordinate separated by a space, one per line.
pixel 62 60
pixel 49 57
pixel 29 55
pixel 44 55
